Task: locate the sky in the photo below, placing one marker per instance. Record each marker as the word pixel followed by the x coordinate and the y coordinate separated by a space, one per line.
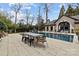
pixel 53 14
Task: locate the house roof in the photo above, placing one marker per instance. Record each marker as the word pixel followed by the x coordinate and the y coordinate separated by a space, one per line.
pixel 76 18
pixel 51 23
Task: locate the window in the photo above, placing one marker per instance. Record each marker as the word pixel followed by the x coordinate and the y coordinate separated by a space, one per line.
pixel 47 28
pixel 51 28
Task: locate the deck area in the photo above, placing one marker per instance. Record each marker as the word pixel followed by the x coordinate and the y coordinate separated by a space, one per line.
pixel 12 45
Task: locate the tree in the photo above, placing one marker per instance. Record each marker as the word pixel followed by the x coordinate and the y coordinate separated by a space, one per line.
pixel 16 8
pixel 27 16
pixel 62 10
pixel 6 21
pixel 77 10
pixel 21 22
pixel 32 20
pixel 39 16
pixel 40 20
pixel 21 27
pixel 70 11
pixel 40 24
pixel 46 11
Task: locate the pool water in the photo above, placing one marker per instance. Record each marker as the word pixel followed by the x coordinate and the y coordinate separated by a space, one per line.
pixel 65 37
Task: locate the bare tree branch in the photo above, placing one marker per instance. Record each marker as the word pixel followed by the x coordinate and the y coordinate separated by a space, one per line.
pixel 32 20
pixel 16 8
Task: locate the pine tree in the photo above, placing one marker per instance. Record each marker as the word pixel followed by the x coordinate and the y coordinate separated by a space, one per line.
pixel 70 11
pixel 61 11
pixel 77 11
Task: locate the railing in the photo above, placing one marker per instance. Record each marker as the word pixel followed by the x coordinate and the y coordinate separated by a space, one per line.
pixel 70 37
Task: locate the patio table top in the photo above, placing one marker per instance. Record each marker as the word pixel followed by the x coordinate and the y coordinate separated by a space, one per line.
pixel 32 34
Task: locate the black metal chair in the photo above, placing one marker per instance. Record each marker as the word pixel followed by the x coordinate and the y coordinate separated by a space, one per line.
pixel 31 39
pixel 25 38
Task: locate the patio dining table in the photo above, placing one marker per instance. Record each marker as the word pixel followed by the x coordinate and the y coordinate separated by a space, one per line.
pixel 33 37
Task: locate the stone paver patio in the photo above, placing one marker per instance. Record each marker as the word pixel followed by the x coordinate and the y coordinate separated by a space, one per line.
pixel 11 45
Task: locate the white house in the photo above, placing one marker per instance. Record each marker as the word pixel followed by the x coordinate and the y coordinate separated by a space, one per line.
pixel 68 24
pixel 50 26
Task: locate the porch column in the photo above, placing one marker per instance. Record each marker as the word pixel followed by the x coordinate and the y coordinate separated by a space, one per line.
pixel 45 28
pixel 49 28
pixel 54 28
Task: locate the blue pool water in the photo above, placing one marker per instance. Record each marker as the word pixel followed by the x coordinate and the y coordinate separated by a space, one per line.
pixel 64 37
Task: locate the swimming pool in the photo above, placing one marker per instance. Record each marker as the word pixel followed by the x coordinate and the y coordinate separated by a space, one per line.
pixel 60 36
